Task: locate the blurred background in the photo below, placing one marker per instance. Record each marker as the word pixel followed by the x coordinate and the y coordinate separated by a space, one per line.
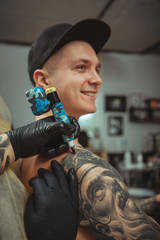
pixel 126 127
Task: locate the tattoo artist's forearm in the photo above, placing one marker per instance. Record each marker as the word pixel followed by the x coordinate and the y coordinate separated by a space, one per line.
pixel 106 208
pixel 6 152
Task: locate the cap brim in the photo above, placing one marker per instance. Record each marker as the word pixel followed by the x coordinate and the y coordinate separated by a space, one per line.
pixel 93 31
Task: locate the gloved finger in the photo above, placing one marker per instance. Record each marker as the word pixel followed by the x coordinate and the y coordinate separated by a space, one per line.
pixel 30 204
pixel 48 150
pixel 61 176
pixel 61 149
pixel 74 122
pixel 52 144
pixel 30 213
pixel 55 146
pixel 69 129
pixel 50 178
pixel 49 127
pixel 73 186
pixel 39 187
pixel 61 128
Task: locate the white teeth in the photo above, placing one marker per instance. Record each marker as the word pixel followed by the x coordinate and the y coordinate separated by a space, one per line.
pixel 90 94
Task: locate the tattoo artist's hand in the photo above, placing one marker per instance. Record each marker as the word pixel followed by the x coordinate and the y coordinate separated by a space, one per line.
pixel 52 210
pixel 57 146
pixel 41 136
pixel 74 122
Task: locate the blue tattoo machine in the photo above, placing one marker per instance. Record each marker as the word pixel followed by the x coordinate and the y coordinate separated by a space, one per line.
pixel 42 101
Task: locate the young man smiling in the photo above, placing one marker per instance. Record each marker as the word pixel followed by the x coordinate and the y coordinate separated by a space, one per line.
pixel 65 57
pixel 76 77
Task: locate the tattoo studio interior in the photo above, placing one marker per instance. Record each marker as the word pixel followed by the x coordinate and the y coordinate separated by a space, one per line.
pixel 125 129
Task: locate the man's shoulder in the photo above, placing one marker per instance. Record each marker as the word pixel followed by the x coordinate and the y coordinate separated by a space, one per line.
pixel 87 159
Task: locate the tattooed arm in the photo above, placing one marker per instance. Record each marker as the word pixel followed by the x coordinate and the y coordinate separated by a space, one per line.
pixel 149 205
pixel 6 152
pixel 106 208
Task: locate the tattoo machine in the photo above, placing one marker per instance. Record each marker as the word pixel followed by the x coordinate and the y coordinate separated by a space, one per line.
pixel 42 101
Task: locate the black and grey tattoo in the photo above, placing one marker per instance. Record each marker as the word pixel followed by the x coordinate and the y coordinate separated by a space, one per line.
pixel 148 205
pixel 4 157
pixel 106 208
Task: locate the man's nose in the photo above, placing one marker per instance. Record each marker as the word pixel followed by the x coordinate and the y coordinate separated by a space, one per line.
pixel 95 78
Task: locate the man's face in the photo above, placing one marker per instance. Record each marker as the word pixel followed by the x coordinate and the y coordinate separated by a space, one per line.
pixel 77 78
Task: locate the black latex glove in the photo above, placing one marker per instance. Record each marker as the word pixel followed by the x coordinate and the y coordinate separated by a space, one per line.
pixel 74 122
pixel 36 137
pixel 56 146
pixel 52 210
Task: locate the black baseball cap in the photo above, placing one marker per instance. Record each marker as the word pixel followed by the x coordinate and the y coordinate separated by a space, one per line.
pixel 93 31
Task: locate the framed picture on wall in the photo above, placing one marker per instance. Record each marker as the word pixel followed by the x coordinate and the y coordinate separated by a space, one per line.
pixel 115 103
pixel 115 125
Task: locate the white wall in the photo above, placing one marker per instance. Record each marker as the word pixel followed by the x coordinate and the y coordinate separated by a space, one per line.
pixel 14 82
pixel 122 74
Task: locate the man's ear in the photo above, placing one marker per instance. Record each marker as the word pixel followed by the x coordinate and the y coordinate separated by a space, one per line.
pixel 40 78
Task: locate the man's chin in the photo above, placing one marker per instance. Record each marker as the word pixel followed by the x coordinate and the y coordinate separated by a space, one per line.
pixel 89 112
pixel 92 110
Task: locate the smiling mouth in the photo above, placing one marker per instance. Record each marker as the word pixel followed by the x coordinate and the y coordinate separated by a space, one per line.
pixel 91 94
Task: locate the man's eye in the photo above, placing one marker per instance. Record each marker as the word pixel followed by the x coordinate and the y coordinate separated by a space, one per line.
pixel 81 67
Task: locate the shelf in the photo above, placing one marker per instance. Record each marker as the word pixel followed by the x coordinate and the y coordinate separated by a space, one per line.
pixel 144 115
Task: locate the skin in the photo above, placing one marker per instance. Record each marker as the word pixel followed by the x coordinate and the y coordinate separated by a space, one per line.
pixel 106 209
